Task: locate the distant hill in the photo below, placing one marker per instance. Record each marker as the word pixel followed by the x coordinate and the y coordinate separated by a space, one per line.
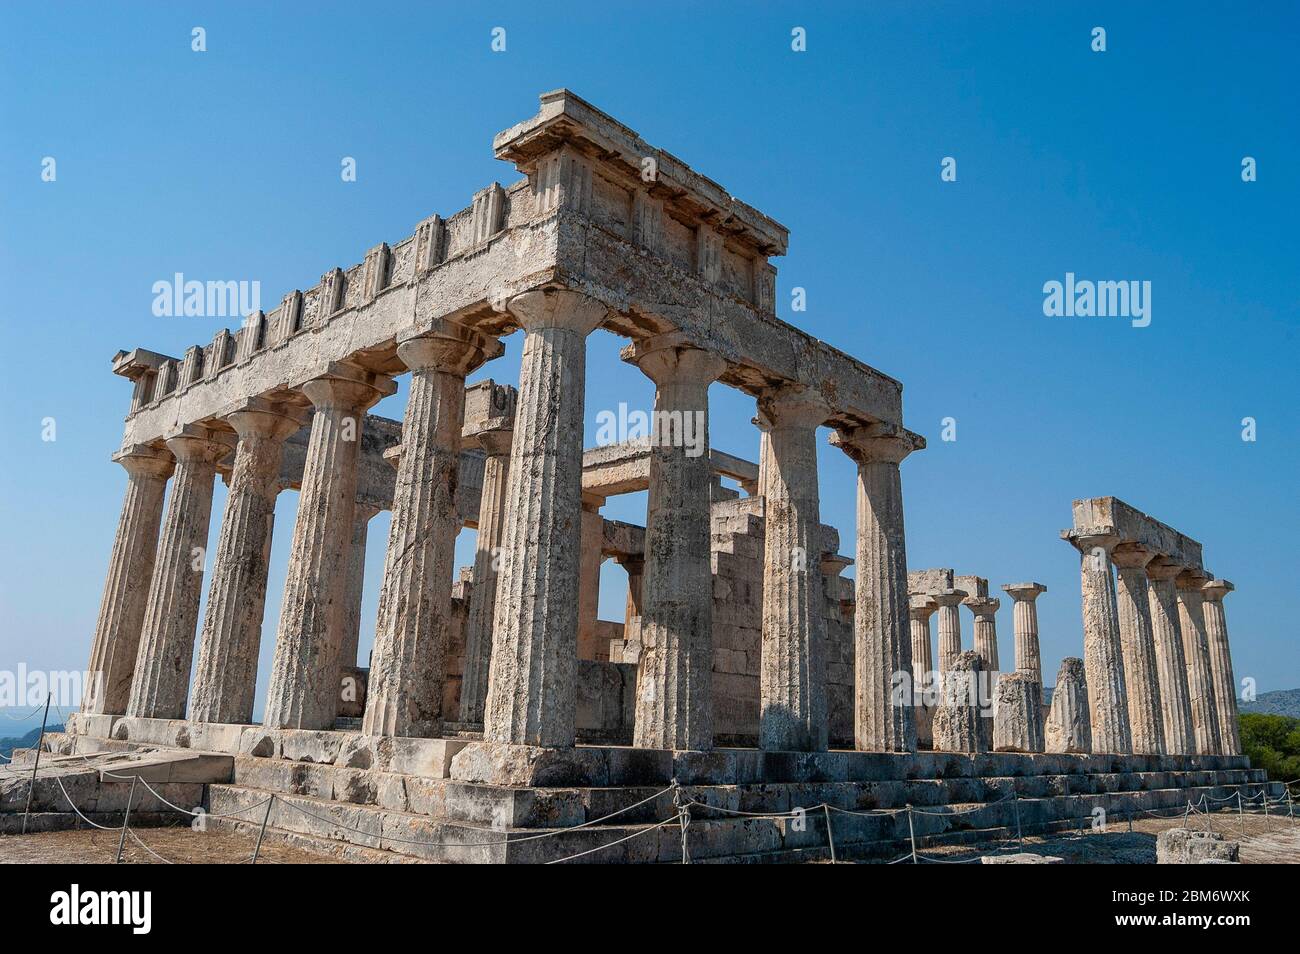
pixel 1283 702
pixel 8 745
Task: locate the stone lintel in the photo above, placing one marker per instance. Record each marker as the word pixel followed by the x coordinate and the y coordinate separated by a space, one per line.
pixel 927 582
pixel 131 364
pixel 625 468
pixel 976 587
pixel 1133 526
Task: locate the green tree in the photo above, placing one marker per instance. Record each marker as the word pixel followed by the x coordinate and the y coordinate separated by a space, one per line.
pixel 1273 744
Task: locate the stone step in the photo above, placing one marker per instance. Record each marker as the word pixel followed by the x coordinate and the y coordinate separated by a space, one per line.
pixel 90 793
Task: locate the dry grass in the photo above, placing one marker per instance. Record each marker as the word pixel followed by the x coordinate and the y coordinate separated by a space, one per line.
pixel 179 845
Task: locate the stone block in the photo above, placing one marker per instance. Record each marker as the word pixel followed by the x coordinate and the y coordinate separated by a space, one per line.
pixel 1185 846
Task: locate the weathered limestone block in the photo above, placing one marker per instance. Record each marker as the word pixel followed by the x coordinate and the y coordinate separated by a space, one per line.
pixel 1025 623
pixel 1225 687
pixel 884 720
pixel 1186 846
pixel 793 677
pixel 1196 647
pixel 1103 658
pixel 304 685
pixel 162 669
pixel 130 569
pixel 409 662
pixel 1018 714
pixel 1069 728
pixel 1171 661
pixel 1021 858
pixel 534 644
pixel 1137 642
pixel 674 675
pixel 957 720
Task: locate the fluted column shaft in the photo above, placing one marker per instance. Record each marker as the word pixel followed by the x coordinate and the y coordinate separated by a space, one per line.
pixel 674 701
pixel 1137 643
pixel 225 678
pixel 126 586
pixel 305 687
pixel 356 584
pixel 482 605
pixel 1171 660
pixel 985 629
pixel 792 673
pixel 1200 679
pixel 531 691
pixel 919 612
pixel 1102 657
pixel 162 668
pixel 1225 686
pixel 884 718
pixel 408 666
pixel 1024 620
pixel 949 626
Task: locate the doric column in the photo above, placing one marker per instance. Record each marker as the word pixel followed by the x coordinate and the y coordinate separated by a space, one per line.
pixel 674 701
pixel 985 640
pixel 162 667
pixel 1196 647
pixel 408 665
pixel 531 693
pixel 957 720
pixel 304 690
pixel 1137 643
pixel 1025 623
pixel 1069 727
pixel 1102 657
pixel 589 560
pixel 883 720
pixel 792 674
pixel 491 524
pixel 224 681
pixel 1225 686
pixel 920 609
pixel 126 586
pixel 356 583
pixel 1171 661
pixel 949 626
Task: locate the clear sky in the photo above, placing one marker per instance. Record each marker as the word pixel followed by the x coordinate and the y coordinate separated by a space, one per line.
pixel 1116 165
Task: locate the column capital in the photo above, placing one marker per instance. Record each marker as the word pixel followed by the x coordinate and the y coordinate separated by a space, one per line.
pixel 269 420
pixel 1132 556
pixel 982 607
pixel 791 405
pixel 1088 539
pixel 879 442
pixel 1162 569
pixel 1024 592
pixel 495 443
pixel 671 359
pixel 1215 590
pixel 922 607
pixel 194 443
pixel 145 460
pixel 948 597
pixel 1191 580
pixel 557 308
pixel 347 387
pixel 452 350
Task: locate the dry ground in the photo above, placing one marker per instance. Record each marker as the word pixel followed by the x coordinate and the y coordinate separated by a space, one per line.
pixel 178 845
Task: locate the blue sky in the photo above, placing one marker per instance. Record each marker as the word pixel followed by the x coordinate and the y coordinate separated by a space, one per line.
pixel 1122 165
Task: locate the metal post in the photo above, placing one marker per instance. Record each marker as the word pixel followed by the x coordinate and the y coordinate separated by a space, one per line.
pixel 31 785
pixel 1015 800
pixel 262 831
pixel 1268 822
pixel 911 833
pixel 1241 812
pixel 126 818
pixel 830 837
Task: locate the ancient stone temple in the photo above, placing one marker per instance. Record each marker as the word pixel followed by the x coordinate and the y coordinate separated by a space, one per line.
pixel 746 670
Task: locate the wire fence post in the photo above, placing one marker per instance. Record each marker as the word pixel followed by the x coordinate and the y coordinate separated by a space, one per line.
pixel 1015 801
pixel 40 743
pixel 1241 812
pixel 911 833
pixel 1268 822
pixel 830 835
pixel 126 820
pixel 261 832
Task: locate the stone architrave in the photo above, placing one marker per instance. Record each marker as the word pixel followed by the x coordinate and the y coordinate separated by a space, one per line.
pixel 1018 713
pixel 1069 727
pixel 531 691
pixel 226 675
pixel 126 587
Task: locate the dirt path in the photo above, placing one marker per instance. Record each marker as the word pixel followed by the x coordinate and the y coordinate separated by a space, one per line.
pixel 178 845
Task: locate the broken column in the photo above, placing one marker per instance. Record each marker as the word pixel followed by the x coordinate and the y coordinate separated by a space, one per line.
pixel 1196 647
pixel 792 681
pixel 1018 713
pixel 674 700
pixel 884 719
pixel 226 676
pixel 1225 687
pixel 304 687
pixel 949 602
pixel 162 668
pixel 126 587
pixel 1137 641
pixel 957 721
pixel 1107 706
pixel 1025 623
pixel 531 692
pixel 1069 728
pixel 408 666
pixel 1171 660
